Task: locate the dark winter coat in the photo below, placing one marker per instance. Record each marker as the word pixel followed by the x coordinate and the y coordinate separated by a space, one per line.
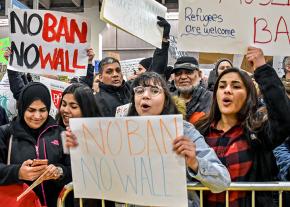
pixel 24 146
pixel 110 97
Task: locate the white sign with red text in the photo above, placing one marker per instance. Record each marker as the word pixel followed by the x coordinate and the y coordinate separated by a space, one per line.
pixel 46 42
pixel 230 26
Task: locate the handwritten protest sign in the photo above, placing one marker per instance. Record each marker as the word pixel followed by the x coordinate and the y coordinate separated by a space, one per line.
pixel 128 67
pixel 56 88
pixel 129 159
pixel 4 43
pixel 46 42
pixel 7 101
pixel 137 17
pixel 229 26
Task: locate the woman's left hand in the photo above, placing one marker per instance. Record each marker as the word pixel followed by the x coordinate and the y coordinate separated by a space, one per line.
pixel 51 173
pixel 184 146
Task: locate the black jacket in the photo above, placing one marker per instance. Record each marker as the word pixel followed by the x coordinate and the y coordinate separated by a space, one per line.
pixel 212 79
pixel 200 102
pixel 160 59
pixel 24 147
pixel 110 97
pixel 3 117
pixel 271 134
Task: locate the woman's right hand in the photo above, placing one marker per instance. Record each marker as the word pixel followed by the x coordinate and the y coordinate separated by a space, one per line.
pixel 26 172
pixel 70 139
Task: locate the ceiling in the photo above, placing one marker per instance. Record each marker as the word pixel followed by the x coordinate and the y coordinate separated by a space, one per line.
pixel 75 5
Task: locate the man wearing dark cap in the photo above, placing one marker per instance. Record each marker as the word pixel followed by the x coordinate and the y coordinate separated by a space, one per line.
pixel 187 82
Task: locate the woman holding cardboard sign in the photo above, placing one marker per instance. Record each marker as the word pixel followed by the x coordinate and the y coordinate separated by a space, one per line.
pixel 36 149
pixel 151 97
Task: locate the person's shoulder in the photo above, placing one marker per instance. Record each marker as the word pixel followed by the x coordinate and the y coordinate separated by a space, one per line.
pixel 5 131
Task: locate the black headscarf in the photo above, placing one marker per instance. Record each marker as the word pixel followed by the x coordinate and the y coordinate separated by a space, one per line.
pixel 30 93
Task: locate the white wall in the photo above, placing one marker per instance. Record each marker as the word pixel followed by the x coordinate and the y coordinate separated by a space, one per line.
pixel 91 11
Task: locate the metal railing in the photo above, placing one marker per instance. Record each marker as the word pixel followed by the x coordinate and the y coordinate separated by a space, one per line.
pixel 280 187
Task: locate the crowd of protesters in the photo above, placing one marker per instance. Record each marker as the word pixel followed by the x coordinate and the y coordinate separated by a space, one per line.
pixel 229 134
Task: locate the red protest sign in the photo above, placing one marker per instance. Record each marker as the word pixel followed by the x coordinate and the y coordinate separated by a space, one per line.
pixel 56 97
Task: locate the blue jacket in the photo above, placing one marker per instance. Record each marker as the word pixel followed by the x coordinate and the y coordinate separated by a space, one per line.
pixel 282 154
pixel 211 172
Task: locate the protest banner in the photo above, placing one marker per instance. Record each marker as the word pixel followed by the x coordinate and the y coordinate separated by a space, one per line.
pixel 137 17
pixel 7 101
pixel 129 67
pixel 4 43
pixel 56 88
pixel 230 26
pixel 46 42
pixel 129 160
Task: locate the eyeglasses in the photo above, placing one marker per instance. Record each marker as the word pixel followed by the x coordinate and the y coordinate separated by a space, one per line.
pixel 152 90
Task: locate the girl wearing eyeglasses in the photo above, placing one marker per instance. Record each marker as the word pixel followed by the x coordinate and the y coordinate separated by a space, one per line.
pixel 150 96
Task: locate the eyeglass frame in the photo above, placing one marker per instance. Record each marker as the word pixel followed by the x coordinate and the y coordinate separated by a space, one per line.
pixel 160 89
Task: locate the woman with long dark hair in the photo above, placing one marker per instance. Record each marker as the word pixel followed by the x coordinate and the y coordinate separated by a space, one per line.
pixel 244 135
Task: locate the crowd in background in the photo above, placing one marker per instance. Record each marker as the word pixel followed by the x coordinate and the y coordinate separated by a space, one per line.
pixel 236 125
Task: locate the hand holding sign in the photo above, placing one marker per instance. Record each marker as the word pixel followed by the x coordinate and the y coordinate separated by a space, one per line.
pixel 183 146
pixel 163 23
pixel 91 55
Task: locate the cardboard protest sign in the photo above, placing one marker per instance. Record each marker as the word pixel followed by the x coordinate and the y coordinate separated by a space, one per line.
pixel 128 67
pixel 123 110
pixel 230 26
pixel 56 88
pixel 129 159
pixel 137 17
pixel 4 43
pixel 7 101
pixel 46 42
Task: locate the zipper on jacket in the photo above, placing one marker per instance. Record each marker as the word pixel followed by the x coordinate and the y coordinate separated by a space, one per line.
pixel 37 155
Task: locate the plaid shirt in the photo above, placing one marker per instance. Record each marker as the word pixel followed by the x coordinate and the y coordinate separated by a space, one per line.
pixel 234 152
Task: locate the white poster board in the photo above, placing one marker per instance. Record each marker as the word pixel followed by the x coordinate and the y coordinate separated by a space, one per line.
pixel 128 67
pixel 137 17
pixel 227 26
pixel 7 101
pixel 46 42
pixel 55 88
pixel 129 160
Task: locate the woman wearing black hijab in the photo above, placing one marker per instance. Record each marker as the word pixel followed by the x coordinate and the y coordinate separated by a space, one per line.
pixel 35 135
